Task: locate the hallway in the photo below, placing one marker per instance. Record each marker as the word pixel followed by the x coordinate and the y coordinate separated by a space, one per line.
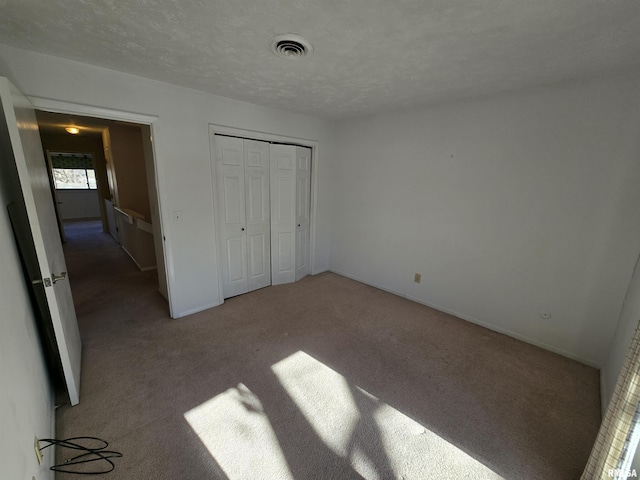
pixel 102 275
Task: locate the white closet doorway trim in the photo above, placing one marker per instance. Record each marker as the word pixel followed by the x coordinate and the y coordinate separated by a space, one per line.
pixel 273 138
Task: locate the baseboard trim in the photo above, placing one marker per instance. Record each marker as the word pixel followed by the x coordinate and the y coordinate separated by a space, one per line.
pixel 371 284
pixel 196 310
pixel 142 269
pixel 476 321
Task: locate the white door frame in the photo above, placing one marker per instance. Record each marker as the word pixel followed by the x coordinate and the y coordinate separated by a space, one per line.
pixel 215 129
pixel 57 106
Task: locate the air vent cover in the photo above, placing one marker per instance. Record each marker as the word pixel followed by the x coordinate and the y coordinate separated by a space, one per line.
pixel 290 46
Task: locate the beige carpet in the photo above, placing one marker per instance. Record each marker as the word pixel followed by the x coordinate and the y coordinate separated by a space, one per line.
pixel 323 379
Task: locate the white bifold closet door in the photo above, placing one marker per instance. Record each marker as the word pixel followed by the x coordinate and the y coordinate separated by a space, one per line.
pixel 303 211
pixel 290 193
pixel 242 168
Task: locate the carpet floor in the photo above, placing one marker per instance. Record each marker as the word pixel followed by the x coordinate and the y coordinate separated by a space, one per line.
pixel 326 378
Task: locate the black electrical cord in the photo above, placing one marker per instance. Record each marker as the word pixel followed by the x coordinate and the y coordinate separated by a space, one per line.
pixel 88 454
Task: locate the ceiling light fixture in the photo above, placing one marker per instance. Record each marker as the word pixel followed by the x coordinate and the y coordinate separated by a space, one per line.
pixel 290 45
pixel 72 130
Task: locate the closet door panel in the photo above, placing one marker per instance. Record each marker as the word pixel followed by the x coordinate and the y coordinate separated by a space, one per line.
pixel 257 197
pixel 285 247
pixel 283 213
pixel 236 264
pixel 302 254
pixel 303 210
pixel 232 151
pixel 284 206
pixel 257 250
pixel 258 213
pixel 232 198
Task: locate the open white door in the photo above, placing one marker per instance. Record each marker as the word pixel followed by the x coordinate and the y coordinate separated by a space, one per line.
pixel 26 149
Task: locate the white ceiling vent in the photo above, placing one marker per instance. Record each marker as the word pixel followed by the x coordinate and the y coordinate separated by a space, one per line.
pixel 290 46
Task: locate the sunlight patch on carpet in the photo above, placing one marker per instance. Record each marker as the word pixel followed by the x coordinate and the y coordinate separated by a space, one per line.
pixel 239 436
pixel 373 438
pixel 379 441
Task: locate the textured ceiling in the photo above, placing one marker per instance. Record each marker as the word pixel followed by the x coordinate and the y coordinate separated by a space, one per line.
pixel 369 56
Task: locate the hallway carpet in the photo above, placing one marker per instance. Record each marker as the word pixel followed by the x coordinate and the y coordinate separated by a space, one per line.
pixel 326 378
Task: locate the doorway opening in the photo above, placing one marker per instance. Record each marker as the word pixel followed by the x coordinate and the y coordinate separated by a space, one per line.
pixel 103 170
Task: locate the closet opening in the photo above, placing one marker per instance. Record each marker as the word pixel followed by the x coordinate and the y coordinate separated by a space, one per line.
pixel 264 209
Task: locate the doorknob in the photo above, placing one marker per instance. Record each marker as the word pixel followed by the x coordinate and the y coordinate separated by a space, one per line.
pixel 44 281
pixel 55 278
pixel 242 229
pixel 47 282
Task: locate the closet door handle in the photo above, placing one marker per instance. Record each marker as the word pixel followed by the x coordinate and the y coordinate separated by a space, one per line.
pixel 242 229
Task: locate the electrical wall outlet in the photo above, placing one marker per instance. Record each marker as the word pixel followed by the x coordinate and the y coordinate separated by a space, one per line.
pixel 417 277
pixel 36 447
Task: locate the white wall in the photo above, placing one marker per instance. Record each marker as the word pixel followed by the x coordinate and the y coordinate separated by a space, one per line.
pixel 507 206
pixel 26 399
pixel 78 204
pixel 181 146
